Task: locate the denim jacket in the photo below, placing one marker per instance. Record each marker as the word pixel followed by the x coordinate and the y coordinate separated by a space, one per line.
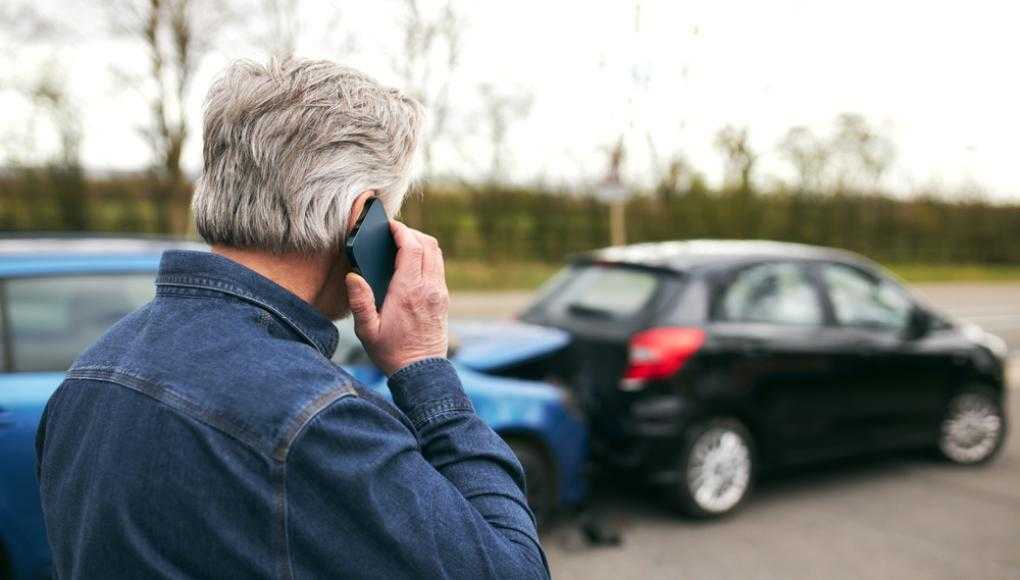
pixel 208 435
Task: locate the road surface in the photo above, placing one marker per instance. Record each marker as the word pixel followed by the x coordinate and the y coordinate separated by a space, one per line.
pixel 900 517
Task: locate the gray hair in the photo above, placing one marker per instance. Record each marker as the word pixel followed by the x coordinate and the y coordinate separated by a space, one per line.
pixel 288 148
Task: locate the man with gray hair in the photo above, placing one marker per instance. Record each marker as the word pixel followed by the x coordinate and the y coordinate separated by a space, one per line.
pixel 208 434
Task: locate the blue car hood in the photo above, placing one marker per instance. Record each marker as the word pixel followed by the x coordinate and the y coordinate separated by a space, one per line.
pixel 486 346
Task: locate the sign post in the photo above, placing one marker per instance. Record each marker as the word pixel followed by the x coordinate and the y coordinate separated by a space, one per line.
pixel 611 191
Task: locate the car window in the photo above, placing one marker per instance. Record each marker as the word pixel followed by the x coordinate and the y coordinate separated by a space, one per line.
pixel 53 319
pixel 777 293
pixel 860 300
pixel 349 350
pixel 603 290
pixel 3 335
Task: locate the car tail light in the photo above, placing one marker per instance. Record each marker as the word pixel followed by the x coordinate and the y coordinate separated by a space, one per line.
pixel 659 353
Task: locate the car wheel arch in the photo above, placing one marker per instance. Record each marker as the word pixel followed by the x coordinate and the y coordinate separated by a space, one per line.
pixel 993 388
pixel 536 442
pixel 754 425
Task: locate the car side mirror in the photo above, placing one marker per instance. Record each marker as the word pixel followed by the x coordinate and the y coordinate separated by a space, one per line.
pixel 918 325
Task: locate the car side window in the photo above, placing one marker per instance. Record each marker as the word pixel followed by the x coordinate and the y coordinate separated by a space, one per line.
pixel 861 300
pixel 53 319
pixel 775 293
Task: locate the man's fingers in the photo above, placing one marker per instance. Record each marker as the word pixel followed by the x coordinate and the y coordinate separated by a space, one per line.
pixel 362 303
pixel 432 265
pixel 410 251
pixel 430 249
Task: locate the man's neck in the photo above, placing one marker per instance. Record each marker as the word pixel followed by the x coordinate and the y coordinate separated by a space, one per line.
pixel 303 274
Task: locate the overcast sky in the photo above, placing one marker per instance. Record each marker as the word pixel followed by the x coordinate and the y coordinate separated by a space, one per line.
pixel 939 77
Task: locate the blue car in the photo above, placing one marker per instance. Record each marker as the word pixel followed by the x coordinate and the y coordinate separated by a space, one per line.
pixel 58 295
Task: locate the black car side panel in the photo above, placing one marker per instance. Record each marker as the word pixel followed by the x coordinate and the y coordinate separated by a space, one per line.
pixel 783 380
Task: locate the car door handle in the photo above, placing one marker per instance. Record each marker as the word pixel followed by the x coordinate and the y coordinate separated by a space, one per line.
pixel 6 418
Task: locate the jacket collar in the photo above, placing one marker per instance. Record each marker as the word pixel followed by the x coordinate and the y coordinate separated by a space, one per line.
pixel 214 272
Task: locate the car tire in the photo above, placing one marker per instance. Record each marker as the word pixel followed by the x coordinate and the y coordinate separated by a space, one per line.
pixel 973 427
pixel 716 469
pixel 539 477
pixel 6 570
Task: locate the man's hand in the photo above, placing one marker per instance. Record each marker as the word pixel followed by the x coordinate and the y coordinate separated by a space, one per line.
pixel 412 323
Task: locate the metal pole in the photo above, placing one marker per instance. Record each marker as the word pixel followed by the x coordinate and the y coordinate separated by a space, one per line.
pixel 617 222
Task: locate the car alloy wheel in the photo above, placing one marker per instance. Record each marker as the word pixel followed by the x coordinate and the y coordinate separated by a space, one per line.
pixel 717 467
pixel 972 428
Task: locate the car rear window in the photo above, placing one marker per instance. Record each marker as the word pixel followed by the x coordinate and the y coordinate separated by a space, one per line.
pixel 600 290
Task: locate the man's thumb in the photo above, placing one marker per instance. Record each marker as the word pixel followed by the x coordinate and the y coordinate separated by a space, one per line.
pixel 362 303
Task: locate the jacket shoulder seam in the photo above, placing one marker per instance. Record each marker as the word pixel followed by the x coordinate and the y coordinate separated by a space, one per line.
pixel 308 414
pixel 176 402
pixel 273 450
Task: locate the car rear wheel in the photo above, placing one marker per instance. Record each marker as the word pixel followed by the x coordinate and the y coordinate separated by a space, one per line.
pixel 973 428
pixel 716 469
pixel 539 478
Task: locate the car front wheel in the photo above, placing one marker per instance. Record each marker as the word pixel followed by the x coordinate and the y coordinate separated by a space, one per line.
pixel 973 428
pixel 539 478
pixel 716 468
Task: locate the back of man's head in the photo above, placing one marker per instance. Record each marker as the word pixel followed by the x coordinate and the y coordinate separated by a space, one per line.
pixel 289 146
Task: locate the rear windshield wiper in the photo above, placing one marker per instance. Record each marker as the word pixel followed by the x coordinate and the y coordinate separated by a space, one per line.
pixel 589 311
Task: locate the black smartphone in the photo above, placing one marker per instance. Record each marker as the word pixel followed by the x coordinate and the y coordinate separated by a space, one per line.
pixel 371 249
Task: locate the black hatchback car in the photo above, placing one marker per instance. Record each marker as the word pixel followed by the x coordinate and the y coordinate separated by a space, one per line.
pixel 701 362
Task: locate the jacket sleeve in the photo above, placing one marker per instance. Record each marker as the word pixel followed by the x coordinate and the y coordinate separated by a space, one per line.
pixel 367 498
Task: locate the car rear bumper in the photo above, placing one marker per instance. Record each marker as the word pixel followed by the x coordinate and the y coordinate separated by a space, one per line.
pixel 647 435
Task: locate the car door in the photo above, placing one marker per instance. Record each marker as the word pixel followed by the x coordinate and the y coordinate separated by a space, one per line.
pixel 896 381
pixel 45 322
pixel 768 325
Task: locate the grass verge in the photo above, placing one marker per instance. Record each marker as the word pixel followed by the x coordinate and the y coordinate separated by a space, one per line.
pixel 482 276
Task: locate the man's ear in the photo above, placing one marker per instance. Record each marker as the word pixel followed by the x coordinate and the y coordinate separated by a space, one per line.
pixel 357 207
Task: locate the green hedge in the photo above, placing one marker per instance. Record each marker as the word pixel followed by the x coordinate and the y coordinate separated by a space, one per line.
pixel 503 224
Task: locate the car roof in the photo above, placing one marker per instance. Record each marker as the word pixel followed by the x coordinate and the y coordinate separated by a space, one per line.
pixel 686 255
pixel 42 254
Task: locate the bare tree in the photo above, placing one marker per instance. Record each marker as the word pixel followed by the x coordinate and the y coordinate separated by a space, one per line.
pixel 284 25
pixel 24 24
pixel 50 96
pixel 862 152
pixel 678 177
pixel 740 158
pixel 49 106
pixel 176 35
pixel 64 171
pixel 809 155
pixel 431 54
pixel 501 110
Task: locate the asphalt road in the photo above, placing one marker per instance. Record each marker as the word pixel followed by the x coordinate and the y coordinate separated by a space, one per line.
pixel 902 516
